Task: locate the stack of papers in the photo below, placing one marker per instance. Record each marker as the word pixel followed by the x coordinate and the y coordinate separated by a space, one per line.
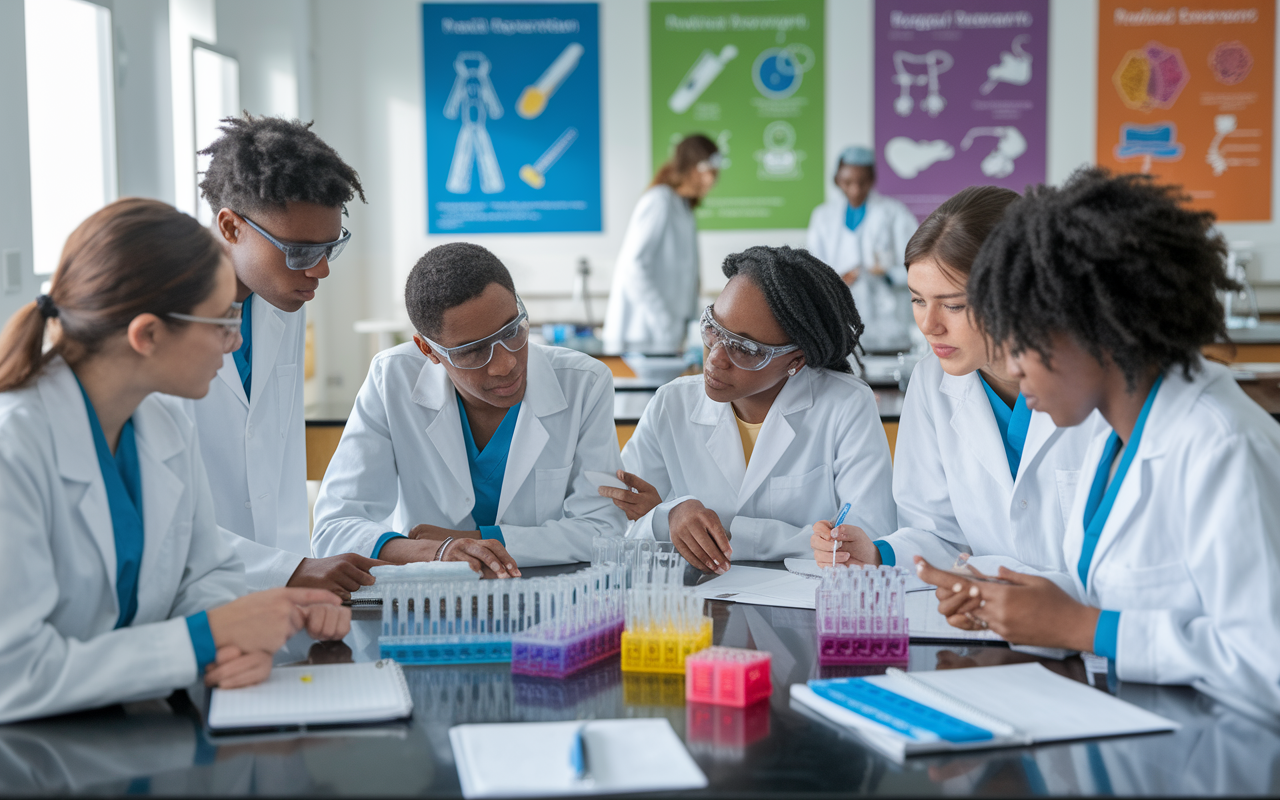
pixel 325 694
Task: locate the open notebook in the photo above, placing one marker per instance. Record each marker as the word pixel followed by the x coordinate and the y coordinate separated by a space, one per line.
pixel 321 695
pixel 970 709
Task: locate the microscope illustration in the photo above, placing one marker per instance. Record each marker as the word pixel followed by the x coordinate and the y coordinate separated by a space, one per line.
pixel 935 62
pixel 474 100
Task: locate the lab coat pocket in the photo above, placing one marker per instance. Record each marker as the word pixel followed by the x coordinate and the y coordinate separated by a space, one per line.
pixel 552 485
pixel 1160 586
pixel 796 498
pixel 1068 479
pixel 286 374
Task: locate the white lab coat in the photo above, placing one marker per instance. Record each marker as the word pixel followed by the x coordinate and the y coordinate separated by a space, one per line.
pixel 952 484
pixel 59 651
pixel 255 449
pixel 655 279
pixel 402 459
pixel 822 445
pixel 1190 553
pixel 883 235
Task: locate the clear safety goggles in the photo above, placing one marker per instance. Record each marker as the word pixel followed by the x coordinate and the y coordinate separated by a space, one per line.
pixel 303 256
pixel 513 337
pixel 714 161
pixel 230 323
pixel 745 353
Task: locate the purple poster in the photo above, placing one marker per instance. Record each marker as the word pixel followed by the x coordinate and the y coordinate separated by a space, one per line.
pixel 959 97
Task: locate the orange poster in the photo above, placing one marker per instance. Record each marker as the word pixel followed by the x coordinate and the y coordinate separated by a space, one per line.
pixel 1185 93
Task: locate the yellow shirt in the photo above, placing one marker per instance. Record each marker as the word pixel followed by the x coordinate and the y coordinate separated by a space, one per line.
pixel 749 434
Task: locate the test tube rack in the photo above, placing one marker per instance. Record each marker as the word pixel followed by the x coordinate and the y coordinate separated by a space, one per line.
pixel 665 624
pixel 861 615
pixel 645 562
pixel 727 676
pixel 475 622
pixel 583 624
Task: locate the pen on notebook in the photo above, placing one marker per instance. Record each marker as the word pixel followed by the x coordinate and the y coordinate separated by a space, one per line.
pixel 835 545
pixel 578 755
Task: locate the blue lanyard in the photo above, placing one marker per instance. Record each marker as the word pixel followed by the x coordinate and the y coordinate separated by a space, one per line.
pixel 1102 496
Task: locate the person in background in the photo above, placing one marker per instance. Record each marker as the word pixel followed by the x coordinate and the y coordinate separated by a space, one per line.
pixel 775 433
pixel 470 441
pixel 976 471
pixel 863 237
pixel 121 585
pixel 1104 291
pixel 278 194
pixel 655 280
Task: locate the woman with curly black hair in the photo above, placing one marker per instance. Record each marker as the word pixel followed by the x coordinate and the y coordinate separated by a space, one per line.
pixel 1104 291
pixel 776 432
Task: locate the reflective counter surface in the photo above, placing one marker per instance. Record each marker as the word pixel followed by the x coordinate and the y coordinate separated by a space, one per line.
pixel 161 747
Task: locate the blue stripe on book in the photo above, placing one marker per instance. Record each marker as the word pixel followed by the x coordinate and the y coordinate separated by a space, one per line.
pixel 914 720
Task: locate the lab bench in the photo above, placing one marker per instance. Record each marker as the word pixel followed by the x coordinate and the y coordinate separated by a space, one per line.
pixel 768 749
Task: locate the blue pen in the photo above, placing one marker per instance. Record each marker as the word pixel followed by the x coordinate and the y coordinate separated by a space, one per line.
pixel 578 754
pixel 844 512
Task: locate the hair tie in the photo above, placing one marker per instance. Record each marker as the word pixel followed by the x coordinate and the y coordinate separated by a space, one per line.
pixel 45 304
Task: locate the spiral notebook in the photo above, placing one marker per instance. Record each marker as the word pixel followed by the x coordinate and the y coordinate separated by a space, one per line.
pixel 903 714
pixel 314 696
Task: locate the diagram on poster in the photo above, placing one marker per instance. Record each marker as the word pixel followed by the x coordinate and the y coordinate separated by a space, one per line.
pixel 960 97
pixel 749 75
pixel 512 96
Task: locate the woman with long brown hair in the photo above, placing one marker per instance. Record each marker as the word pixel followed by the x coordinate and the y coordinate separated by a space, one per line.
pixel 128 589
pixel 655 279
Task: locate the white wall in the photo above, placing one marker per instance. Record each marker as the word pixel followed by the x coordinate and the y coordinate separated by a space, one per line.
pixel 144 99
pixel 15 172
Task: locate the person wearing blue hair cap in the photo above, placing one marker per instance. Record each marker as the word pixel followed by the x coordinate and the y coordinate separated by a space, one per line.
pixel 863 237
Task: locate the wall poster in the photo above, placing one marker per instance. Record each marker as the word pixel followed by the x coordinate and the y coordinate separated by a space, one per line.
pixel 749 75
pixel 1184 93
pixel 513 117
pixel 960 97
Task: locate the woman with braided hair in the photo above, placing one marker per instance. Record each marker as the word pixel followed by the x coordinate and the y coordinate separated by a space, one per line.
pixel 775 433
pixel 1103 292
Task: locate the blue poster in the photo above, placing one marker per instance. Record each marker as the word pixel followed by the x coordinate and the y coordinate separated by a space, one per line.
pixel 513 117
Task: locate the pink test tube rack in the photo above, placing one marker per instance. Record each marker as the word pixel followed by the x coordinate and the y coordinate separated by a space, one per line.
pixel 727 676
pixel 861 615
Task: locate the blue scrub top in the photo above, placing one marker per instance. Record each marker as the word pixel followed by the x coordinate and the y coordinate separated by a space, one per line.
pixel 1013 424
pixel 123 478
pixel 853 216
pixel 488 467
pixel 244 356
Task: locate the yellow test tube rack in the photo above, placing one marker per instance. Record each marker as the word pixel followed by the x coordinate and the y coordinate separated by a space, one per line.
pixel 663 650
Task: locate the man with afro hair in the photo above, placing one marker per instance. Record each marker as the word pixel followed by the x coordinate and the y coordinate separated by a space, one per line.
pixel 278 194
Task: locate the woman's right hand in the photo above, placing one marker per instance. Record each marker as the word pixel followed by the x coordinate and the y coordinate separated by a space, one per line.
pixel 638 499
pixel 855 547
pixel 699 536
pixel 264 621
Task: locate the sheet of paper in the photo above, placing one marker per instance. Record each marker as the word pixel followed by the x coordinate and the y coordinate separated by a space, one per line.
pixel 924 621
pixel 762 587
pixel 531 759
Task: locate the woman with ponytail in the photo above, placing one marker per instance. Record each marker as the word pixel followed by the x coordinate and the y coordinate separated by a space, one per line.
pixel 128 589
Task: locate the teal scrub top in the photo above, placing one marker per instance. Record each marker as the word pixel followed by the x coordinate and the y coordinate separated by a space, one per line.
pixel 1013 424
pixel 488 467
pixel 853 216
pixel 244 356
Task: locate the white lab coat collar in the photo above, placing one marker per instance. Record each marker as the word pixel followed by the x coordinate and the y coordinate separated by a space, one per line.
pixel 267 332
pixel 1173 402
pixel 158 440
pixel 725 442
pixel 542 396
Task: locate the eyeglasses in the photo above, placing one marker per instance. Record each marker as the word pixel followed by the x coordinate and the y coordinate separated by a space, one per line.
pixel 230 324
pixel 303 256
pixel 743 352
pixel 513 337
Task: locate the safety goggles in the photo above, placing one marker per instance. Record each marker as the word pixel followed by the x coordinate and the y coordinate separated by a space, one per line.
pixel 713 161
pixel 230 324
pixel 303 256
pixel 513 336
pixel 743 352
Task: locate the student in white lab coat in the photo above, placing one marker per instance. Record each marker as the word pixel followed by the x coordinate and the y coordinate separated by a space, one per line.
pixel 1105 290
pixel 976 471
pixel 655 279
pixel 774 434
pixel 469 443
pixel 122 587
pixel 863 237
pixel 278 194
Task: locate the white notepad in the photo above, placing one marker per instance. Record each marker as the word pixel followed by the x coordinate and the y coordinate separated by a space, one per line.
pixel 325 694
pixel 1021 703
pixel 531 759
pixel 761 587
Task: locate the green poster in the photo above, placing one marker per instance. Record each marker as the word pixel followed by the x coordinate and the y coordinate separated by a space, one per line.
pixel 749 75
